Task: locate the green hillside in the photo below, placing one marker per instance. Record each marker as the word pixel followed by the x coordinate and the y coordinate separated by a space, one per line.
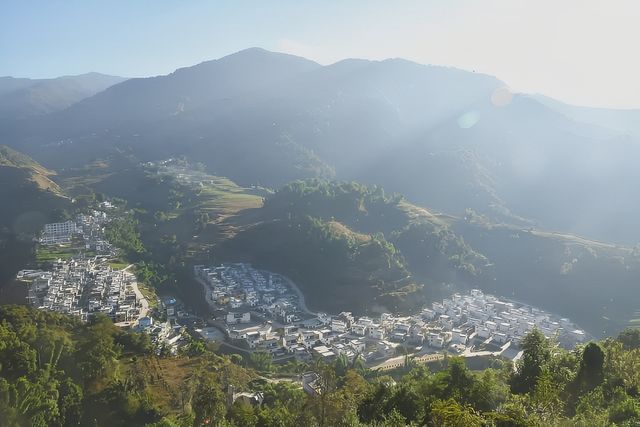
pixel 353 247
pixel 186 216
pixel 336 268
pixel 56 371
pixel 29 197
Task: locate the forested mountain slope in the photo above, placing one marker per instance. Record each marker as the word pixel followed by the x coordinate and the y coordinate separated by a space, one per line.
pixel 445 138
pixel 55 370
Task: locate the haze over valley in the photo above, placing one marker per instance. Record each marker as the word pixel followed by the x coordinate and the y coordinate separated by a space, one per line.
pixel 461 145
pixel 266 239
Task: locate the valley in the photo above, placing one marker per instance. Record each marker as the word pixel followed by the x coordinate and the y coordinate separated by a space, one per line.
pixel 350 246
pixel 195 235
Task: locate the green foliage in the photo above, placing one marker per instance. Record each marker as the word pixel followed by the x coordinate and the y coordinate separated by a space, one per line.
pixel 53 370
pixel 630 338
pixel 325 235
pixel 151 273
pixel 536 356
pixel 262 361
pixel 56 371
pixel 331 263
pixel 451 414
pixel 591 372
pixel 123 233
pixel 209 402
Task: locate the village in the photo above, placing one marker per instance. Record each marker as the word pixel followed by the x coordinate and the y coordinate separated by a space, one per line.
pixel 261 311
pixel 84 287
pixel 86 284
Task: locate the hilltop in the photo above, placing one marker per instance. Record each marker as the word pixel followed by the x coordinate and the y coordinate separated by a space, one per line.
pixel 27 192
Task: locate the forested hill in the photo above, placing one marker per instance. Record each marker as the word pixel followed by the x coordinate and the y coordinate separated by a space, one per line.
pixel 592 283
pixel 56 371
pixel 353 247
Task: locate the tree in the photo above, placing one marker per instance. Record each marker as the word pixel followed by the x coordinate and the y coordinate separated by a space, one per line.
pixel 70 403
pixel 236 359
pixel 243 414
pixel 630 338
pixel 449 413
pixel 262 361
pixel 97 352
pixel 460 379
pixel 590 374
pixel 17 358
pixel 536 354
pixel 327 385
pixel 209 402
pixel 545 400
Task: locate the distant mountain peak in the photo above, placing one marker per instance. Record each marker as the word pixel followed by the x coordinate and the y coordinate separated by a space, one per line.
pixel 21 98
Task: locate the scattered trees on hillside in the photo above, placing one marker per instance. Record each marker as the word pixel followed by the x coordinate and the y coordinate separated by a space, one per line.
pixel 55 371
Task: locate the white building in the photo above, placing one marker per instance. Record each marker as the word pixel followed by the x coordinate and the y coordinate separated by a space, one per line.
pixel 235 318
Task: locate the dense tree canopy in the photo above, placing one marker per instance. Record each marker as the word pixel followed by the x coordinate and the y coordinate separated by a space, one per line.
pixel 55 371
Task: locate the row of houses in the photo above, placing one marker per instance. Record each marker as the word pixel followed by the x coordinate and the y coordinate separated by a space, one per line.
pixel 89 227
pixel 502 321
pixel 84 287
pixel 460 322
pixel 164 335
pixel 241 289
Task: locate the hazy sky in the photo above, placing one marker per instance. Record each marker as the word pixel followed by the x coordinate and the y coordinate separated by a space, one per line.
pixel 580 51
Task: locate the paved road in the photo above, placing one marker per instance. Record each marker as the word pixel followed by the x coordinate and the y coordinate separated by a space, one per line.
pixel 398 361
pixel 144 304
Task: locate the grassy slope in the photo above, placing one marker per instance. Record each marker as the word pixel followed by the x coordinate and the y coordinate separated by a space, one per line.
pixel 29 199
pixel 38 174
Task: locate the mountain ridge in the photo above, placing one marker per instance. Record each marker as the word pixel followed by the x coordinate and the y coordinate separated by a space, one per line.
pixel 437 134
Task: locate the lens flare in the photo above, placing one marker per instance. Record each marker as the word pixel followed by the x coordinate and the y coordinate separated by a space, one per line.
pixel 501 97
pixel 468 119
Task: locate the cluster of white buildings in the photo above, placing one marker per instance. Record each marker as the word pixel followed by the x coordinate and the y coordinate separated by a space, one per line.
pixel 240 290
pixel 328 337
pixel 262 315
pixel 84 287
pixel 59 232
pixel 163 334
pixel 491 319
pixel 89 227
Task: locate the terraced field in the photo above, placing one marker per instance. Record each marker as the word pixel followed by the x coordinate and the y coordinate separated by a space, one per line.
pixel 48 254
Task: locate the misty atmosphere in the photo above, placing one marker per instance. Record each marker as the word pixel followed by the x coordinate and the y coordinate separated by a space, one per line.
pixel 316 213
